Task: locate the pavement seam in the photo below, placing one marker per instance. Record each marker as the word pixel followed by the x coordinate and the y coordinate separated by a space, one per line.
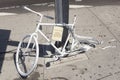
pixel 104 25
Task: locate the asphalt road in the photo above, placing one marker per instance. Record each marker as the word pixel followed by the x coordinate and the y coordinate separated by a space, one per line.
pixel 7 3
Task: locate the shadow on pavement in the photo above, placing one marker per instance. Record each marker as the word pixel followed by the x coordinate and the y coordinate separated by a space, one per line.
pixel 96 2
pixel 42 48
pixel 34 76
pixel 47 6
pixel 4 37
pixel 7 3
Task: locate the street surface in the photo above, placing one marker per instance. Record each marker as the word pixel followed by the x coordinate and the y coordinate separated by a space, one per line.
pixel 99 19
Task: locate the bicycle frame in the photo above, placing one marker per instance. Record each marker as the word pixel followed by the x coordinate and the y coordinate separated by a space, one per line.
pixel 69 26
pixel 73 45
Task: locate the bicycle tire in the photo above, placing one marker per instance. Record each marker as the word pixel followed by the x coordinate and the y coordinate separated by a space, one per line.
pixel 25 66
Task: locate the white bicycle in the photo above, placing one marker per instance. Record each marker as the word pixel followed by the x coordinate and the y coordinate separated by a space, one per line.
pixel 28 49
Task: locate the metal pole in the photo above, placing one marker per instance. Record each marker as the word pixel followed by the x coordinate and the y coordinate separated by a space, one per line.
pixel 62 16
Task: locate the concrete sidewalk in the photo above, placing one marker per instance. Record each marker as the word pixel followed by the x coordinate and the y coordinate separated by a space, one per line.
pixel 95 20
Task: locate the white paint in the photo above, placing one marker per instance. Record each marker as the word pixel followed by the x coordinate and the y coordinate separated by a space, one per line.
pixel 6 14
pixel 112 40
pixel 10 7
pixel 87 47
pixel 78 6
pixel 70 6
pixel 43 4
pixel 101 42
pixel 78 0
pixel 108 47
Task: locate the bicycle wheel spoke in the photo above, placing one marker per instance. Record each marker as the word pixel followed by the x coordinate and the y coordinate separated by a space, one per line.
pixel 23 66
pixel 27 56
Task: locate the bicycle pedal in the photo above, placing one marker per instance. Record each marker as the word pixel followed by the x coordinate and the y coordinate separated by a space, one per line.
pixel 66 61
pixel 47 64
pixel 92 45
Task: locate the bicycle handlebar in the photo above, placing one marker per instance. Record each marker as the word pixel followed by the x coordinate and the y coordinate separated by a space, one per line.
pixel 48 17
pixel 25 7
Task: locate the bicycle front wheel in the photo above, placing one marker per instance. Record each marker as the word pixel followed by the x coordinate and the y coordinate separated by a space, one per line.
pixel 27 55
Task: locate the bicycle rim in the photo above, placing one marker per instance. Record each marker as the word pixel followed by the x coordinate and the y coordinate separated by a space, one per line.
pixel 27 55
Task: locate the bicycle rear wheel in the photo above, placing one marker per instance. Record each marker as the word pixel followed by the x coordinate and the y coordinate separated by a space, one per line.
pixel 27 55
